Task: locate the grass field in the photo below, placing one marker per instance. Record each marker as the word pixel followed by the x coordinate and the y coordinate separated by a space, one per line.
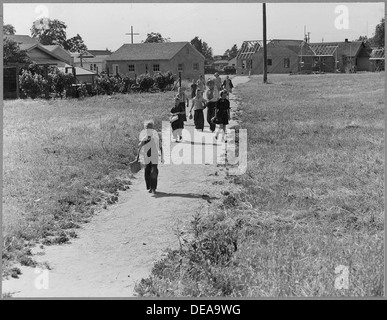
pixel 310 205
pixel 65 158
pixel 310 201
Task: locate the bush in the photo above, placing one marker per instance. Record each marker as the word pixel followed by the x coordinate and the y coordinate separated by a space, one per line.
pixel 126 84
pixel 145 82
pixel 60 81
pixel 162 81
pixel 104 85
pixel 32 85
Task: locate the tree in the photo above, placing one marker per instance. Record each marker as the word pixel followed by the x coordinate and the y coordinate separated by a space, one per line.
pixel 232 53
pixel 9 29
pixel 12 52
pixel 378 39
pixel 202 47
pixel 366 40
pixel 155 37
pixel 75 44
pixel 49 32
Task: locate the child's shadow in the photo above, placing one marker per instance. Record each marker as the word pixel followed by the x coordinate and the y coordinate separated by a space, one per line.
pixel 183 195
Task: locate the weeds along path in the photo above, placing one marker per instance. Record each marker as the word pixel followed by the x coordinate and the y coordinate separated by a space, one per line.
pixel 120 245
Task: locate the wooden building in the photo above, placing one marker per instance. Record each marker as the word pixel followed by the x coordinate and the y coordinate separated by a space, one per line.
pixel 177 57
pixel 351 56
pixel 283 56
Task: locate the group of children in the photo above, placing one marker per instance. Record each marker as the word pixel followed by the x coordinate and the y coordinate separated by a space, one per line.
pixel 218 112
pixel 214 98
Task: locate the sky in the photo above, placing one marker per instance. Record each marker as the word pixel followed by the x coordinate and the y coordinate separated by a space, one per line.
pixel 220 25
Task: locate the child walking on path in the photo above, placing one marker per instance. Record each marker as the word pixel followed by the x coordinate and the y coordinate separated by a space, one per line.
pixel 212 98
pixel 198 104
pixel 150 143
pixel 222 114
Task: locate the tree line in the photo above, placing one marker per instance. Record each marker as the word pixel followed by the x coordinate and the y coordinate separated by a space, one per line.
pixel 53 32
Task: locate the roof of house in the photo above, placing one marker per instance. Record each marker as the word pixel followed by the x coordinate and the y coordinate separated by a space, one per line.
pixel 299 47
pixel 147 51
pixel 79 71
pixel 323 50
pixel 100 52
pixel 347 48
pixel 97 59
pixel 248 48
pixel 377 54
pixel 58 50
pixel 25 42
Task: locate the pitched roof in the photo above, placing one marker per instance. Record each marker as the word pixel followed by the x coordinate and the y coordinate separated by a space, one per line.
pixel 350 48
pixel 79 71
pixel 96 59
pixel 300 47
pixel 377 54
pixel 25 42
pixel 100 52
pixel 147 51
pixel 323 50
pixel 59 51
pixel 248 48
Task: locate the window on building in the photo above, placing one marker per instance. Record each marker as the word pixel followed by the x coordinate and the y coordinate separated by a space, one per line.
pixel 180 67
pixel 95 67
pixel 196 66
pixel 243 64
pixel 91 67
pixel 286 63
pixel 269 62
pixel 156 67
pixel 131 68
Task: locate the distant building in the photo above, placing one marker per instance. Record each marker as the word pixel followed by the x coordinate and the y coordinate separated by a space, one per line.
pixel 93 60
pixel 39 54
pixel 283 56
pixel 351 55
pixel 134 59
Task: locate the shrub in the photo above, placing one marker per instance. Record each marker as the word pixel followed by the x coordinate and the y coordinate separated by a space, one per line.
pixel 165 80
pixel 60 81
pixel 145 82
pixel 126 84
pixel 32 85
pixel 104 85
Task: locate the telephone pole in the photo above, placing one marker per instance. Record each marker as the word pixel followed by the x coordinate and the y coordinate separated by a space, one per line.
pixel 131 33
pixel 264 44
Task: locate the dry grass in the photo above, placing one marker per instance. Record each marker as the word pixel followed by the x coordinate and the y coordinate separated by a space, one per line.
pixel 311 200
pixel 65 158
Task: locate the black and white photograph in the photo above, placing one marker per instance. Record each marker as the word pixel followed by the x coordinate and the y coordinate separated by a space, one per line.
pixel 217 150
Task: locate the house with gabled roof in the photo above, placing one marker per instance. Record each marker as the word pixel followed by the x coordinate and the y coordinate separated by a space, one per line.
pixel 283 56
pixel 148 58
pixel 350 56
pixel 40 54
pixel 93 60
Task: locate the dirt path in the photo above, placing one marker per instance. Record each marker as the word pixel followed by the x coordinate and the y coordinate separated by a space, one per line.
pixel 119 246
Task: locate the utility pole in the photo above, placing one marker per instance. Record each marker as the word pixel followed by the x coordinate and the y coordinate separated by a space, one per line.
pixel 131 33
pixel 264 44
